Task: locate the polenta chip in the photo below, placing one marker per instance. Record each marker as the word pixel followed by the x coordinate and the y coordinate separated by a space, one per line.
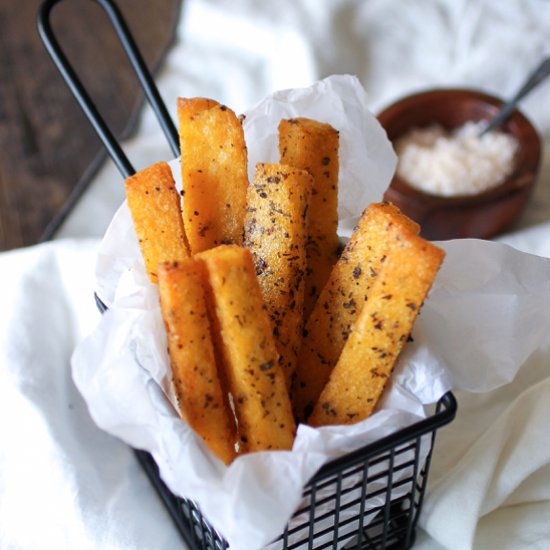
pixel 255 378
pixel 188 107
pixel 214 173
pixel 275 232
pixel 382 329
pixel 313 146
pixel 155 207
pixel 342 299
pixel 201 398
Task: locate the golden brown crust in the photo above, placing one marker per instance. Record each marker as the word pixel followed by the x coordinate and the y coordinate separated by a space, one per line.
pixel 255 378
pixel 214 173
pixel 275 232
pixel 155 207
pixel 201 398
pixel 313 146
pixel 341 301
pixel 382 329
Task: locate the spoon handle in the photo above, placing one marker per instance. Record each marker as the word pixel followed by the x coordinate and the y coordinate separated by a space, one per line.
pixel 533 80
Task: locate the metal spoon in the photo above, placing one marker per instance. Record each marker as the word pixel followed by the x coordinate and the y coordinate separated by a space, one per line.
pixel 533 80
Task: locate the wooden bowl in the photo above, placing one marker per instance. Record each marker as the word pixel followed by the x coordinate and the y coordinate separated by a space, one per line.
pixel 483 215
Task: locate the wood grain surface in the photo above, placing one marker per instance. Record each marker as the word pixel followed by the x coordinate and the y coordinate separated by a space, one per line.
pixel 47 146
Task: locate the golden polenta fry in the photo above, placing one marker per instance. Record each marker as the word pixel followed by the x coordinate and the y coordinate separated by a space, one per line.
pixel 313 146
pixel 342 299
pixel 189 106
pixel 155 207
pixel 214 173
pixel 381 331
pixel 201 399
pixel 275 232
pixel 255 378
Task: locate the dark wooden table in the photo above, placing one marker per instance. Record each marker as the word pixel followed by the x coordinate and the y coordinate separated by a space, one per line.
pixel 47 147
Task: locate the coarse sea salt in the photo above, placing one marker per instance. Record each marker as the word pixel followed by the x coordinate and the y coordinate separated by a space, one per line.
pixel 458 162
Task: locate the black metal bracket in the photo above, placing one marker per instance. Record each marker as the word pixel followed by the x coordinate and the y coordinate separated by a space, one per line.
pixel 75 85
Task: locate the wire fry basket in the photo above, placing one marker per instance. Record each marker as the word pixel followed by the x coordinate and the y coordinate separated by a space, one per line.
pixel 368 499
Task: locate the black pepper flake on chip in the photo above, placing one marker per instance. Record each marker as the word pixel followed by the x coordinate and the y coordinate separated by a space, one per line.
pixel 356 272
pixel 267 366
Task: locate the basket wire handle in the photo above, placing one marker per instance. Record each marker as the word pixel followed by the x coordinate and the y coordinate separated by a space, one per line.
pixel 75 85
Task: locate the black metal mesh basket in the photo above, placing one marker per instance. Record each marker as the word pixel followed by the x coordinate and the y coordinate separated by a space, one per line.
pixel 368 499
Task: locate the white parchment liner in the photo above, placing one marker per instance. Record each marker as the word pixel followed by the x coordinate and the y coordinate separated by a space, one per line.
pixel 488 310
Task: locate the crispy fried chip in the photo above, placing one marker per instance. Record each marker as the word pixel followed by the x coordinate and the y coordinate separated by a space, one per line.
pixel 341 301
pixel 155 206
pixel 201 399
pixel 255 378
pixel 381 331
pixel 276 233
pixel 214 173
pixel 189 106
pixel 313 146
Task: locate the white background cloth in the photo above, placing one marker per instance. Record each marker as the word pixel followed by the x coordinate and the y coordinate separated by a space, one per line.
pixel 66 484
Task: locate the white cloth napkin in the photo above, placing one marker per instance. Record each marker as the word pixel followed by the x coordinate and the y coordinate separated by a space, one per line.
pixel 63 482
pixel 66 484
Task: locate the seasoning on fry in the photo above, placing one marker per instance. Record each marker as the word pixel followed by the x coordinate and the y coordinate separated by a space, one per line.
pixel 382 329
pixel 202 401
pixel 342 299
pixel 313 146
pixel 214 173
pixel 275 231
pixel 155 207
pixel 255 378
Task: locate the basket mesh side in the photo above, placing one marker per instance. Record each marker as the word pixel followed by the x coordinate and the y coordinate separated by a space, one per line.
pixel 369 505
pixel 373 504
pixel 370 499
pixel 202 534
